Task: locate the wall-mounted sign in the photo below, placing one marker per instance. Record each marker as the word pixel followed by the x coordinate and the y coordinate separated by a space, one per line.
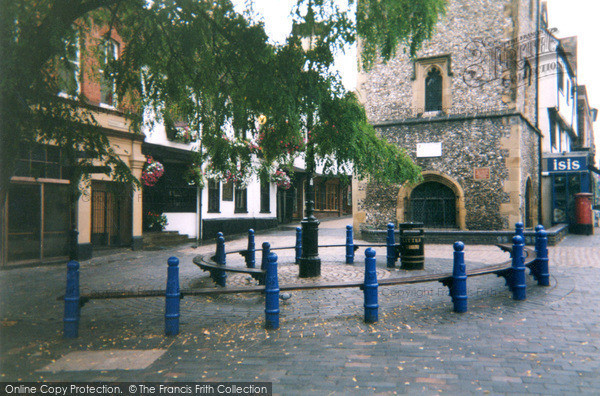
pixel 481 173
pixel 429 150
pixel 567 164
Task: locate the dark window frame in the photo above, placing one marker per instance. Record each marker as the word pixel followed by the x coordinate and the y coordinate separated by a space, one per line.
pixel 42 161
pixel 434 86
pixel 240 199
pixel 561 78
pixel 228 191
pixel 214 196
pixel 265 197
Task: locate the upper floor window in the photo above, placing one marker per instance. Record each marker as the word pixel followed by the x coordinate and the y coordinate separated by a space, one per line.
pixel 561 78
pixel 42 161
pixel 432 84
pixel 68 69
pixel 433 90
pixel 531 4
pixel 527 73
pixel 110 51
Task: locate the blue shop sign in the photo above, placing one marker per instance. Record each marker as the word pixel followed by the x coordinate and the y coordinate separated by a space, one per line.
pixel 567 164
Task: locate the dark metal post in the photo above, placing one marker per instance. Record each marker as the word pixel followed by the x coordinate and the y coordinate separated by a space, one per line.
pixel 71 317
pixel 310 263
pixel 541 263
pixel 349 245
pixel 272 294
pixel 298 244
pixel 172 297
pixel 266 250
pixel 251 256
pixel 459 279
pixel 518 286
pixel 370 287
pixel 220 254
pixel 221 276
pixel 391 242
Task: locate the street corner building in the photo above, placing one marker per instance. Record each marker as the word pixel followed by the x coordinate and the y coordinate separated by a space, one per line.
pixel 468 110
pixel 108 213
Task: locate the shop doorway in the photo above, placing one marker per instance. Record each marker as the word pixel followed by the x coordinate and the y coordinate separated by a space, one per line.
pixel 111 214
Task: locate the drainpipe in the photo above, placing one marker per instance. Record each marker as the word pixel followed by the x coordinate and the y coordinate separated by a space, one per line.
pixel 537 112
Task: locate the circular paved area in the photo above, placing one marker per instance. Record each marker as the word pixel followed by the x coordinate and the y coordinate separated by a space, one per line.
pixel 547 344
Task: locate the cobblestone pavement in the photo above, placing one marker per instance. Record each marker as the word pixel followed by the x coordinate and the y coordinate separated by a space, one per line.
pixel 547 344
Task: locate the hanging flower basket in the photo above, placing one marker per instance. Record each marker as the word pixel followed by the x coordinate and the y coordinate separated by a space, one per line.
pixel 153 170
pixel 282 180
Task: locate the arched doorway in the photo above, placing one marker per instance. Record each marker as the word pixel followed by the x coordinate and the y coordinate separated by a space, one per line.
pixel 434 205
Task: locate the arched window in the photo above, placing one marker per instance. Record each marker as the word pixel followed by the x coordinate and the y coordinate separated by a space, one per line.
pixel 527 73
pixel 433 90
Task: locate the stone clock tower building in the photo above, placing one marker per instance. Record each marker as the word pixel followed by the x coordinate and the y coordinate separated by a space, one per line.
pixel 464 108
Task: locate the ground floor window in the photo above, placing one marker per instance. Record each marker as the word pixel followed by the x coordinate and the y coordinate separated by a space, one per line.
pixel 241 199
pixel 38 221
pixel 327 196
pixel 265 197
pixel 172 193
pixel 214 196
pixel 564 188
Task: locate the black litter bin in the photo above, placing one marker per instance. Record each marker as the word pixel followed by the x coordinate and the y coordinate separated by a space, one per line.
pixel 412 247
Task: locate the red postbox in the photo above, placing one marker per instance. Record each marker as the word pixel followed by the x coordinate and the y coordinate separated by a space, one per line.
pixel 584 222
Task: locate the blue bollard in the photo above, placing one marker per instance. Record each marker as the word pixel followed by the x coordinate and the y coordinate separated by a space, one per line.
pixel 272 294
pixel 534 268
pixel 391 242
pixel 251 255
pixel 349 245
pixel 172 297
pixel 541 261
pixel 520 230
pixel 370 287
pixel 459 279
pixel 298 244
pixel 72 303
pixel 221 276
pixel 264 263
pixel 517 277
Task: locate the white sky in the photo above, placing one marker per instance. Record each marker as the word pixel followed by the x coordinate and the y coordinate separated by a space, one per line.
pixel 571 18
pixel 278 25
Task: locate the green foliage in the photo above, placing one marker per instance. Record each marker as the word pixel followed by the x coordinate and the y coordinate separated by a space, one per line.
pixel 344 137
pixel 213 68
pixel 33 42
pixel 384 25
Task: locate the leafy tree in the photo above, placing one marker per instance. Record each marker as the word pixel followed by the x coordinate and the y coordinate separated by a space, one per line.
pixel 203 62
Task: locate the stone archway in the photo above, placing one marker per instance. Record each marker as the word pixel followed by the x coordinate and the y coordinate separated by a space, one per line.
pixel 403 206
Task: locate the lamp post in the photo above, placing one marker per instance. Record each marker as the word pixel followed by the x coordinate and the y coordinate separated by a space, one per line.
pixel 310 263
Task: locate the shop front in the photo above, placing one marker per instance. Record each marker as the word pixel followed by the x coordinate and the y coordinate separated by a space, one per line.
pixel 569 175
